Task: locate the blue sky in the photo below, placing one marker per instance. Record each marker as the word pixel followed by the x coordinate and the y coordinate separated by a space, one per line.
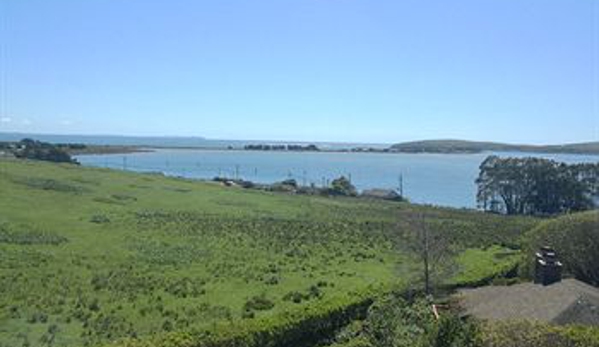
pixel 315 70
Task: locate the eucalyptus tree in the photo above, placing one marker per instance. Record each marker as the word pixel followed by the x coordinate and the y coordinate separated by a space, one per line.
pixel 536 186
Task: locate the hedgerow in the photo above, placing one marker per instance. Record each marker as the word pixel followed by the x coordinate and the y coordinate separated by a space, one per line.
pixel 315 323
pixel 536 334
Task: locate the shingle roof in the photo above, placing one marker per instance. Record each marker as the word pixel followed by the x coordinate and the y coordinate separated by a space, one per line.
pixel 566 302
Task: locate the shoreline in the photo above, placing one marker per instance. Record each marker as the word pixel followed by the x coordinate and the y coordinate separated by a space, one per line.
pixel 117 149
pixel 108 149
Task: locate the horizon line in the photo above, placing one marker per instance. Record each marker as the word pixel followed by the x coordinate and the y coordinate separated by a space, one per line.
pixel 199 137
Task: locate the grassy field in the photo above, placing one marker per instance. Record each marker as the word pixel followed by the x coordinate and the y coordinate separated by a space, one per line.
pixel 478 266
pixel 89 256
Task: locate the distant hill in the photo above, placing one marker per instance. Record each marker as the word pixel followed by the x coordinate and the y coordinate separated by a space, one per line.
pixel 177 141
pixel 109 140
pixel 462 146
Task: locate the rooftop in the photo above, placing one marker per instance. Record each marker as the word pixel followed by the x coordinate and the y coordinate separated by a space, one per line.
pixel 567 302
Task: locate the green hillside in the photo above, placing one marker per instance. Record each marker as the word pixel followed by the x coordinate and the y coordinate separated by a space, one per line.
pixel 462 146
pixel 90 256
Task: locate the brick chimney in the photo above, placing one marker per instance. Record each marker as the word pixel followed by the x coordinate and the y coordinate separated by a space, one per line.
pixel 548 269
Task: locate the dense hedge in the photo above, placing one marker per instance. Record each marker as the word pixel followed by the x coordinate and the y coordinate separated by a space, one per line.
pixel 532 334
pixel 316 323
pixel 575 238
pixel 402 320
pixel 394 322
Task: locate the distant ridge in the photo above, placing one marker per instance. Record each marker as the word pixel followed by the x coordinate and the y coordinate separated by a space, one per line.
pixel 104 140
pixel 174 141
pixel 426 146
pixel 463 146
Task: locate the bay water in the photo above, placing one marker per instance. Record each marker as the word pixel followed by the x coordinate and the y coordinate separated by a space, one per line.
pixel 437 179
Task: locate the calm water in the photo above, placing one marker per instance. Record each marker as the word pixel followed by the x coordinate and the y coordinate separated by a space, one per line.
pixel 439 179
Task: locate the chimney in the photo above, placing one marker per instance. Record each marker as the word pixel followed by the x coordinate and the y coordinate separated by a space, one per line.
pixel 548 269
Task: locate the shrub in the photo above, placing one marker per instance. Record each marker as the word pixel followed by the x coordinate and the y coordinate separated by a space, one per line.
pixel 50 184
pixel 258 303
pixel 94 305
pixel 343 186
pixel 99 219
pixel 535 334
pixel 272 280
pixel 294 296
pixel 38 317
pixel 19 236
pixel 396 322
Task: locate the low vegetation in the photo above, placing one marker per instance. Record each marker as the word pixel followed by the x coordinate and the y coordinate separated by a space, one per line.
pixel 477 266
pixel 148 260
pixel 535 334
pixel 397 321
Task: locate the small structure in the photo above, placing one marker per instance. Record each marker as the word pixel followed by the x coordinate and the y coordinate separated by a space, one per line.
pixel 385 194
pixel 548 269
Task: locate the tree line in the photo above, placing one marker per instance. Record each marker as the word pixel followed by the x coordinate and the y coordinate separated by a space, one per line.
pixel 536 186
pixel 37 150
pixel 297 148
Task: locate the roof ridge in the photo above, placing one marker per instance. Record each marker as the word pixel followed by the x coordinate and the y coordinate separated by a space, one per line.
pixel 585 287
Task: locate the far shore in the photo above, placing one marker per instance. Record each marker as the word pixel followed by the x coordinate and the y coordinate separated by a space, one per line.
pixel 108 149
pixel 117 149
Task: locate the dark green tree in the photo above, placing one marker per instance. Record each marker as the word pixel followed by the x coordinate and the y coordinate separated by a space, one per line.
pixel 343 186
pixel 36 150
pixel 536 186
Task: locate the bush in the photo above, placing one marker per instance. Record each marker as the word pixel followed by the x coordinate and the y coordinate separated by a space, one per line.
pixel 258 303
pixel 99 219
pixel 534 334
pixel 294 296
pixel 396 322
pixel 38 317
pixel 20 235
pixel 343 186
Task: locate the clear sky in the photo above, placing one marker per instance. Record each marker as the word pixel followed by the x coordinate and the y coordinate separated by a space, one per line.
pixel 521 71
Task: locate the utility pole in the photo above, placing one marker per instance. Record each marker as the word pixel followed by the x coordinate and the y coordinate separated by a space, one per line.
pixel 401 185
pixel 236 171
pixel 304 178
pixel 425 258
pixel 124 163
